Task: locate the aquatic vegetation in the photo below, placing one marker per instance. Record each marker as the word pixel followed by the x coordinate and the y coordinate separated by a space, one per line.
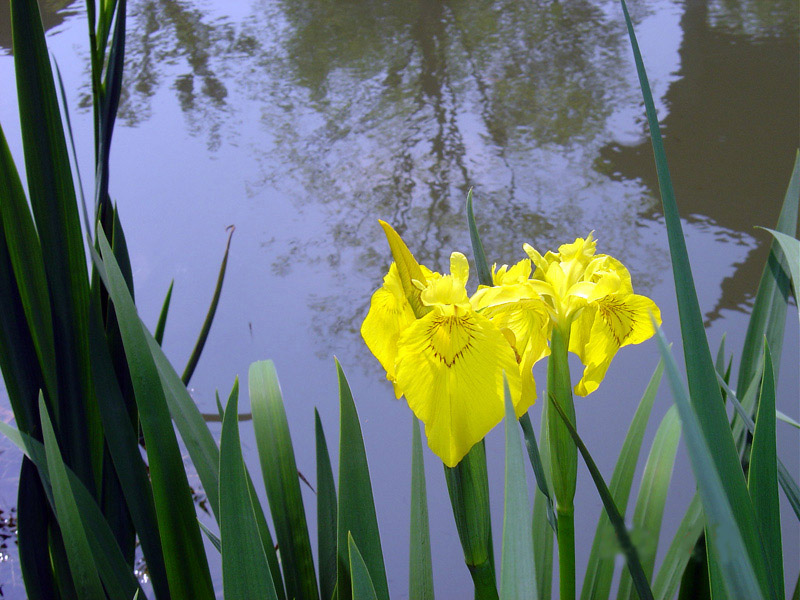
pixel 85 377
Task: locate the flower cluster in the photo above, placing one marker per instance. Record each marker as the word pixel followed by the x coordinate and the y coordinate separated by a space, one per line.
pixel 446 352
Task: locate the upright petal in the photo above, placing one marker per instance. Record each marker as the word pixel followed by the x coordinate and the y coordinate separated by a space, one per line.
pixel 389 314
pixel 450 366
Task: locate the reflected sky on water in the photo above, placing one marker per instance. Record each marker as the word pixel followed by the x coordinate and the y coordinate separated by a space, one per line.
pixel 304 122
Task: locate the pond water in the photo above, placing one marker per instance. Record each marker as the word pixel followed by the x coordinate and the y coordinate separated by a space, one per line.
pixel 302 123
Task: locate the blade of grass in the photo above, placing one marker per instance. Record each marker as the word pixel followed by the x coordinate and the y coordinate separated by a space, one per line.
pixel 356 515
pixel 652 497
pixel 769 308
pixel 763 476
pixel 33 516
pixel 600 568
pixel 126 456
pixel 624 539
pixel 703 391
pixel 734 559
pixel 212 310
pixel 27 261
pixel 535 459
pixel 420 568
pixel 360 581
pixel 326 514
pixel 679 552
pixel 87 222
pixel 517 578
pixel 542 530
pixel 788 484
pixel 111 566
pixel 187 568
pixel 162 316
pixel 787 419
pixel 244 563
pixel 279 470
pixel 52 197
pixel 212 537
pixel 482 266
pixel 791 253
pixel 81 562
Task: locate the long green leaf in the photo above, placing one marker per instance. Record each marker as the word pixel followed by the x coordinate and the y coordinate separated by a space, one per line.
pixel 734 559
pixel 787 419
pixel 245 572
pixel 679 552
pixel 653 497
pixel 123 445
pixel 161 325
pixel 52 196
pixel 623 537
pixel 535 458
pixel 703 390
pixel 81 562
pixel 542 531
pixel 763 476
pixel 187 568
pixel 279 470
pixel 115 574
pixel 360 580
pixel 791 252
pixel 769 308
pixel 28 264
pixel 600 568
pixel 484 274
pixel 326 514
pixel 420 568
pixel 356 515
pixel 212 311
pixel 517 578
pixel 788 484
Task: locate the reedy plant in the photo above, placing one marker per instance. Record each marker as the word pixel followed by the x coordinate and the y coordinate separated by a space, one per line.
pixel 79 479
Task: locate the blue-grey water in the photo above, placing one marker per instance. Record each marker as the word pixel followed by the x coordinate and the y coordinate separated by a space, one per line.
pixel 303 123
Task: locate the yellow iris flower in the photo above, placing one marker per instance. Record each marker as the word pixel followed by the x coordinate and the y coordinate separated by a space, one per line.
pixel 448 363
pixel 446 352
pixel 590 297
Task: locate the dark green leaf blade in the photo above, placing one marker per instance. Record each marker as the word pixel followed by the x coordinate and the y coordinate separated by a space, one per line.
pixel 484 274
pixel 679 552
pixel 81 562
pixel 535 458
pixel 542 530
pixel 356 515
pixel 212 311
pixel 704 392
pixel 326 513
pixel 652 497
pixel 158 334
pixel 360 580
pixel 279 470
pixel 244 564
pixel 600 568
pixel 763 476
pixel 628 549
pixel 734 560
pixel 420 568
pixel 517 579
pixel 187 568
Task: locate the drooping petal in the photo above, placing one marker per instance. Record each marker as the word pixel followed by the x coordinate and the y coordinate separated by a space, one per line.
pixel 389 314
pixel 450 366
pixel 603 327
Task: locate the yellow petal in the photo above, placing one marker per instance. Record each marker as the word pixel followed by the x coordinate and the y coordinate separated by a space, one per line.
pixel 389 314
pixel 450 366
pixel 448 289
pixel 603 327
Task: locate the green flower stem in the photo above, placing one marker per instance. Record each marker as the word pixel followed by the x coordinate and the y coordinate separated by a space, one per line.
pixel 566 552
pixel 468 486
pixel 564 458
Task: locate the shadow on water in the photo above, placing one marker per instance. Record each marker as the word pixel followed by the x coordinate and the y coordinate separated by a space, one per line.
pixel 732 127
